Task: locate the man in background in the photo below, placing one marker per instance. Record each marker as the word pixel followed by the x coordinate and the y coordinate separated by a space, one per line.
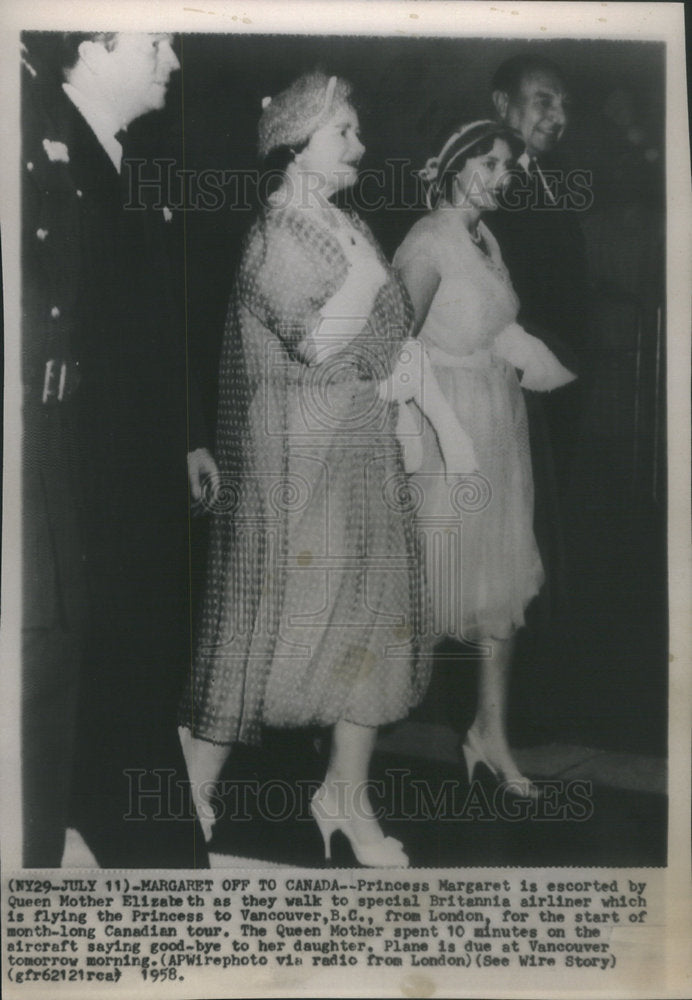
pixel 105 501
pixel 537 227
pixel 539 233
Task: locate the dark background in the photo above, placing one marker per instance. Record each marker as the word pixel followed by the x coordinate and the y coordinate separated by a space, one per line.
pixel 606 685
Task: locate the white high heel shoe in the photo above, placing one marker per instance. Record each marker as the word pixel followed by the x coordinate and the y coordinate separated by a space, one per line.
pixel 207 826
pixel 383 852
pixel 476 752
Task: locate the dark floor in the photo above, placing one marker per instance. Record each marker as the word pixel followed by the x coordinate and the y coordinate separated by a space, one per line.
pixel 597 809
pixel 604 681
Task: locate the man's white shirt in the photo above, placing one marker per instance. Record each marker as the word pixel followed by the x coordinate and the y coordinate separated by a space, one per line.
pixel 524 161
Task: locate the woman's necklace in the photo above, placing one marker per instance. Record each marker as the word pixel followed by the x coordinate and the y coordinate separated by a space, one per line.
pixel 490 258
pixel 475 232
pixel 335 219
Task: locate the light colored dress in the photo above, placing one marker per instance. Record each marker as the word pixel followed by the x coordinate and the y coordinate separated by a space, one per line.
pixel 483 565
pixel 313 590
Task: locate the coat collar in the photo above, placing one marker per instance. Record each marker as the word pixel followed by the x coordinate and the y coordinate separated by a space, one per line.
pixel 100 119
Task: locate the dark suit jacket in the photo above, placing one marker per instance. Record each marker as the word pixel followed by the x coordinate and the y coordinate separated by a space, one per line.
pixel 101 294
pixel 543 248
pixel 53 573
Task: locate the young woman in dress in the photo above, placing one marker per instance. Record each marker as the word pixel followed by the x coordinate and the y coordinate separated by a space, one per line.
pixel 312 595
pixel 465 314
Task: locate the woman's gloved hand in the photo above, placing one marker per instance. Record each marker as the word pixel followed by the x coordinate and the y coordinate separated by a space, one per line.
pixel 541 370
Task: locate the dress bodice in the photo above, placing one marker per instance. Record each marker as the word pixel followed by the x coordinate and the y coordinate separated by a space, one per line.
pixel 292 264
pixel 475 300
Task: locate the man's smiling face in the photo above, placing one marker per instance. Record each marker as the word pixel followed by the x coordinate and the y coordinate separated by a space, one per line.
pixel 538 111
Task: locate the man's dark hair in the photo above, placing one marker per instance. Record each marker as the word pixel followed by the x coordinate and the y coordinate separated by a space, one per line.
pixel 58 51
pixel 509 75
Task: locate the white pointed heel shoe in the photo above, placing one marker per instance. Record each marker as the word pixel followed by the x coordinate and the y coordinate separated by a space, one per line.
pixel 380 852
pixel 475 752
pixel 207 826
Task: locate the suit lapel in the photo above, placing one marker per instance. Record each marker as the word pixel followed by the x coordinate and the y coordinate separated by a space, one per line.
pixel 92 168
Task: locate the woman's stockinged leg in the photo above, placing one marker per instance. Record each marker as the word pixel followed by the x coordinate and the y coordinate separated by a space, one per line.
pixel 343 800
pixel 493 687
pixel 348 769
pixel 204 762
pixel 486 740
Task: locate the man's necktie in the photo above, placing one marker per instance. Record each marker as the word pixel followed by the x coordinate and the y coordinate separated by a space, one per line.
pixel 541 185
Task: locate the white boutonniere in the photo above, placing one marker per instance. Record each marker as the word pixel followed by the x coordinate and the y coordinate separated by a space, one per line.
pixel 167 214
pixel 56 151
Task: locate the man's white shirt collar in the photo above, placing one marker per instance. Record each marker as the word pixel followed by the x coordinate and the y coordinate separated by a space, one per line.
pixel 524 162
pixel 100 119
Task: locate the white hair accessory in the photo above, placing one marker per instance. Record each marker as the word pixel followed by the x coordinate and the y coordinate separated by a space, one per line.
pixel 266 101
pixel 329 93
pixel 429 172
pixel 458 143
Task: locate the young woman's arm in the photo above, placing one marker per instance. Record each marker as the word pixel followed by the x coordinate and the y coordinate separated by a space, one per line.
pixel 413 379
pixel 422 279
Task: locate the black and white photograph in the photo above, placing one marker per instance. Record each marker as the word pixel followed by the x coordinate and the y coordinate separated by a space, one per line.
pixel 346 428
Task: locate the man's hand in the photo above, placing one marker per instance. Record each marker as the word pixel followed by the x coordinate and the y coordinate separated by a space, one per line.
pixel 200 468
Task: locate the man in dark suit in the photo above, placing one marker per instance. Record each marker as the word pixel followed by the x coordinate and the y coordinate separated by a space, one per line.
pixel 106 578
pixel 539 233
pixel 537 227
